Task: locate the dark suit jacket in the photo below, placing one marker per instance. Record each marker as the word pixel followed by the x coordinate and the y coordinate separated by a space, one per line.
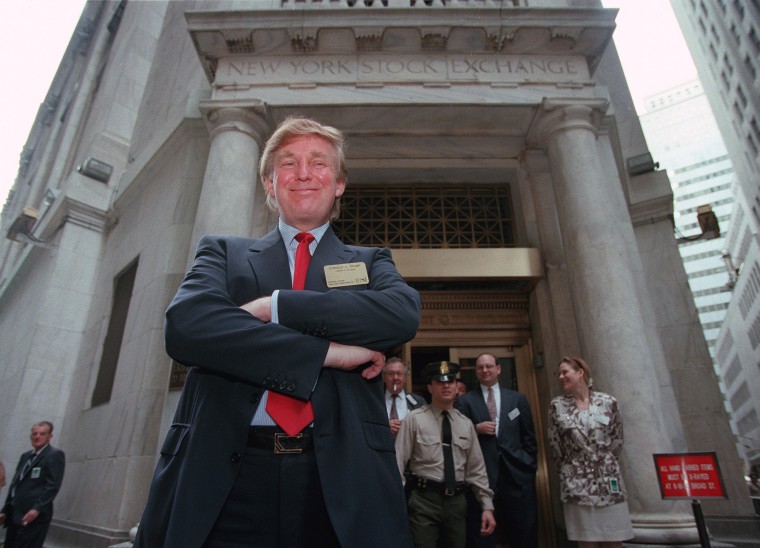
pixel 515 443
pixel 36 489
pixel 413 401
pixel 419 401
pixel 234 357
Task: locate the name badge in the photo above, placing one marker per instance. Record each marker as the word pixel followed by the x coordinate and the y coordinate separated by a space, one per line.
pixel 35 472
pixel 341 275
pixel 514 414
pixel 614 486
pixel 602 419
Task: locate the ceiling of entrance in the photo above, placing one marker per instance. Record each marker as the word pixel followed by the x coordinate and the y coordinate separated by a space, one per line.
pixel 428 144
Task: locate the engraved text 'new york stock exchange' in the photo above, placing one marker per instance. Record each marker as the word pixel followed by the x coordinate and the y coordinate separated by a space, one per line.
pixel 344 69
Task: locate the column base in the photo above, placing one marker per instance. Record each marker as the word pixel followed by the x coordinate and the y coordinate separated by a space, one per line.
pixel 664 529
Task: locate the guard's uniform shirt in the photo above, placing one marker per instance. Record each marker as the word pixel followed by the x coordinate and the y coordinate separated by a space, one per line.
pixel 418 444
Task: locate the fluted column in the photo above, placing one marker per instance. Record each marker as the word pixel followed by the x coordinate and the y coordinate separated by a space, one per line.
pixel 603 268
pixel 231 189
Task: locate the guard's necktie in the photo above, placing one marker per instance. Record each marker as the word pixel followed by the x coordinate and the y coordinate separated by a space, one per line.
pixel 491 403
pixel 449 476
pixel 292 414
pixel 394 411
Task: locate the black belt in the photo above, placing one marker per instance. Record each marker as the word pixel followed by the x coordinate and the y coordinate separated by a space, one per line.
pixel 277 441
pixel 436 486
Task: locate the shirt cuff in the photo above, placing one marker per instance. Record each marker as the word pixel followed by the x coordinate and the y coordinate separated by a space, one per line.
pixel 273 306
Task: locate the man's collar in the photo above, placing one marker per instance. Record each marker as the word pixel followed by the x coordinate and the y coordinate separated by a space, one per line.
pixel 289 232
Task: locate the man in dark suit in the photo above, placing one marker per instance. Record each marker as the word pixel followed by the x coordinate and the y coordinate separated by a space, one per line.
pixel 236 469
pixel 504 425
pixel 398 402
pixel 28 509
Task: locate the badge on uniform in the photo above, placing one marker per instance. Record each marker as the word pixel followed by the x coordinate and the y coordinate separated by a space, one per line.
pixel 514 414
pixel 614 485
pixel 341 275
pixel 35 472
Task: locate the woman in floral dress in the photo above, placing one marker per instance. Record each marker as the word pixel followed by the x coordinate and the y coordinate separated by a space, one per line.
pixel 586 437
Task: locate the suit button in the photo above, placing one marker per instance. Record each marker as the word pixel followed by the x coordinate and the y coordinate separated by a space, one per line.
pixel 254 398
pixel 283 385
pixel 290 387
pixel 235 457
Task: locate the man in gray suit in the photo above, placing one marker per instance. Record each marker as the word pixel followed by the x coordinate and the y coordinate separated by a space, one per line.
pixel 398 402
pixel 28 509
pixel 504 425
pixel 281 436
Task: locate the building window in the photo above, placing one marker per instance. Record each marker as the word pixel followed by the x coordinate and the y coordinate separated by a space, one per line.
pixel 122 296
pixel 715 34
pixel 733 371
pixel 750 67
pixel 737 110
pixel 735 33
pixel 729 66
pixel 754 39
pixel 713 52
pixel 754 333
pixel 739 7
pixel 725 80
pixel 752 143
pixel 741 96
pixel 425 217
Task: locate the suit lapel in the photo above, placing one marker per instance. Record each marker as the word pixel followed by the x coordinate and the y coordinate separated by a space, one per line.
pixel 329 251
pixel 269 261
pixel 481 404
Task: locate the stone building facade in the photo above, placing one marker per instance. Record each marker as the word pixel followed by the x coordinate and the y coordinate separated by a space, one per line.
pixel 493 146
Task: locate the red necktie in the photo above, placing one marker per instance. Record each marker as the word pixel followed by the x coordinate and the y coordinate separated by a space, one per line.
pixel 291 414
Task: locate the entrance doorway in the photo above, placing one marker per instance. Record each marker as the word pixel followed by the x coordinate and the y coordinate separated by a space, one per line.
pixel 517 373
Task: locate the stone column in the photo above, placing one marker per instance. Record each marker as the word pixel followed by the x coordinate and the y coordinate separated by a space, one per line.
pixel 231 190
pixel 602 264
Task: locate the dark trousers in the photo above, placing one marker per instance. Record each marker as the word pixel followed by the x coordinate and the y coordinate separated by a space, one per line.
pixel 31 536
pixel 276 502
pixel 437 521
pixel 516 513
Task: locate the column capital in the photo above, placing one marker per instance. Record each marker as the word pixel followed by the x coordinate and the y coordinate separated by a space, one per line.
pixel 560 114
pixel 248 120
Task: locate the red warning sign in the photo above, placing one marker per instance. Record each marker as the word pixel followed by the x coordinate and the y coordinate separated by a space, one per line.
pixel 689 476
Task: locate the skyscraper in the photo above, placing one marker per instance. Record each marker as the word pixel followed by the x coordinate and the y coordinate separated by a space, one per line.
pixel 685 140
pixel 724 40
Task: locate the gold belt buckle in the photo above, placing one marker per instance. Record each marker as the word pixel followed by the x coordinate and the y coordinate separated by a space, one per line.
pixel 279 449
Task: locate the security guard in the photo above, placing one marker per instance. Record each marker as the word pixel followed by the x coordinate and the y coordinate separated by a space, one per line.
pixel 440 447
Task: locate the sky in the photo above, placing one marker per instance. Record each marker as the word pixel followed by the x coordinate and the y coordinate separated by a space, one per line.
pixel 33 52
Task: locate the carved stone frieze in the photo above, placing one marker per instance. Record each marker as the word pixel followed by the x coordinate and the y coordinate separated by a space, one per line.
pixel 511 31
pixel 243 44
pixel 474 310
pixel 303 42
pixel 434 41
pixel 367 43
